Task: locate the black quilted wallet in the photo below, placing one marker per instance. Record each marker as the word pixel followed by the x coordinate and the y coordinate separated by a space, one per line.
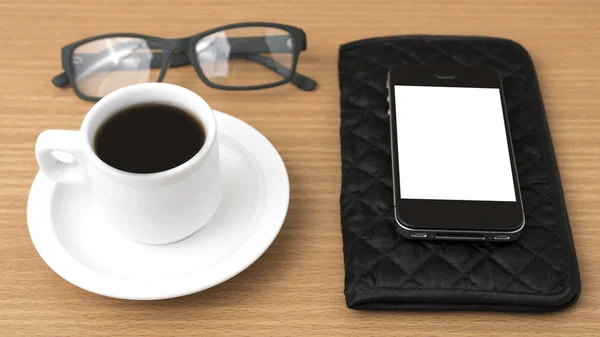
pixel 536 273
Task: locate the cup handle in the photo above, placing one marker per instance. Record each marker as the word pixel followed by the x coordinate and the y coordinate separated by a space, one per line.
pixel 50 149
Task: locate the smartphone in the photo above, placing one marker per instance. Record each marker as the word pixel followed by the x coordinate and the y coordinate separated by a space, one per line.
pixel 454 172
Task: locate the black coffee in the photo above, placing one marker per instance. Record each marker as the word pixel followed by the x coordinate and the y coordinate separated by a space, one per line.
pixel 149 138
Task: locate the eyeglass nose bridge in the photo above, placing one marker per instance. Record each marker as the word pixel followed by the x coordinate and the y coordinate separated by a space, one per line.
pixel 177 54
pixel 180 45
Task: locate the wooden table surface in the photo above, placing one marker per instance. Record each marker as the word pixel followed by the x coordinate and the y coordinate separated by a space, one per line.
pixel 296 287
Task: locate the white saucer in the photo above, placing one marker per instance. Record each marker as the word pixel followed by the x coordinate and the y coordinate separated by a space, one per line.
pixel 68 235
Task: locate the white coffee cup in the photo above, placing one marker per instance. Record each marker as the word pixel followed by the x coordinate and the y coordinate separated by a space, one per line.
pixel 154 208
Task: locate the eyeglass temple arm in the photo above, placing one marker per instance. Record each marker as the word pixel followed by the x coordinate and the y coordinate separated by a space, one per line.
pixel 62 80
pixel 245 48
pixel 303 82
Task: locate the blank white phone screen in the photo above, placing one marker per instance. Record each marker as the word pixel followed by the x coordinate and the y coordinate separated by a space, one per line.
pixel 452 144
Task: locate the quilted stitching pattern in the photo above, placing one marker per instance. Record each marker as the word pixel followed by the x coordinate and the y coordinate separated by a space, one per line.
pixel 375 254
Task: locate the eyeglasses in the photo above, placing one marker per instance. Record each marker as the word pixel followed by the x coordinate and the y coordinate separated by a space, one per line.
pixel 243 56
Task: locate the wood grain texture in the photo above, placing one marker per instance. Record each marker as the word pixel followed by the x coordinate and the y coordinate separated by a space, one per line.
pixel 296 288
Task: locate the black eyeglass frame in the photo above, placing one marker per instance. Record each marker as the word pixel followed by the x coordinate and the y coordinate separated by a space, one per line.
pixel 186 45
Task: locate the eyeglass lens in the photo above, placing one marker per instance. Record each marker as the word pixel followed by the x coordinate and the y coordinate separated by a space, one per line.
pixel 102 66
pixel 247 56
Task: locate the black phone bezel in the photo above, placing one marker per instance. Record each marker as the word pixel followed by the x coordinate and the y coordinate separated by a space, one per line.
pixel 470 216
